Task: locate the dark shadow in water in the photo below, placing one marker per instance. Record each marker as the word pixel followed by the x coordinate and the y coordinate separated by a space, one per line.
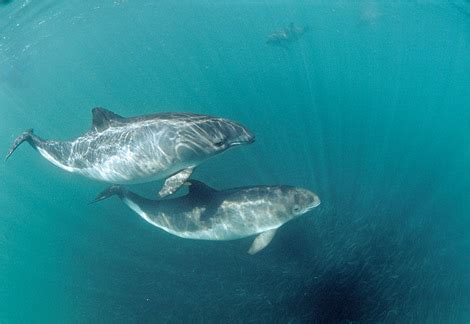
pixel 340 296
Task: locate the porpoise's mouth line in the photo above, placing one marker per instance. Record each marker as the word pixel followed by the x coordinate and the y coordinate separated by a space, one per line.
pixel 309 208
pixel 242 143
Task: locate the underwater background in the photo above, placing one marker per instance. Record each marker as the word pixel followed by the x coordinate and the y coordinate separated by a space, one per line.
pixel 370 109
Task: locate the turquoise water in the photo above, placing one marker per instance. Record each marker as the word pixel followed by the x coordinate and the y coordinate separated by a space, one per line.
pixel 370 109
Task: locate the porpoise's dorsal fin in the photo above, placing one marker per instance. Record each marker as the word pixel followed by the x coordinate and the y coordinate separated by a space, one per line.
pixel 103 118
pixel 199 189
pixel 205 195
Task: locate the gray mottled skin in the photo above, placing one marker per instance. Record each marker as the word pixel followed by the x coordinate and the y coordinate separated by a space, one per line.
pixel 140 149
pixel 208 214
pixel 287 35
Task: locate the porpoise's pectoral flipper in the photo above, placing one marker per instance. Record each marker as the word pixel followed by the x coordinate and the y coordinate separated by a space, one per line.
pixel 175 181
pixel 262 241
pixel 26 136
pixel 109 192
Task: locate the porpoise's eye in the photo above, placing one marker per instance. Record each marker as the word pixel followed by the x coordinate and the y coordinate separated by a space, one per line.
pixel 219 142
pixel 296 208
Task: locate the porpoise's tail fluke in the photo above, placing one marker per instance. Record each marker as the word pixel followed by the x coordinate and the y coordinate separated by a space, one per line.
pixel 26 136
pixel 111 191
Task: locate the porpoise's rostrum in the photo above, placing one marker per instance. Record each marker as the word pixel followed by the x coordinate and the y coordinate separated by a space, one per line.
pixel 208 214
pixel 140 149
